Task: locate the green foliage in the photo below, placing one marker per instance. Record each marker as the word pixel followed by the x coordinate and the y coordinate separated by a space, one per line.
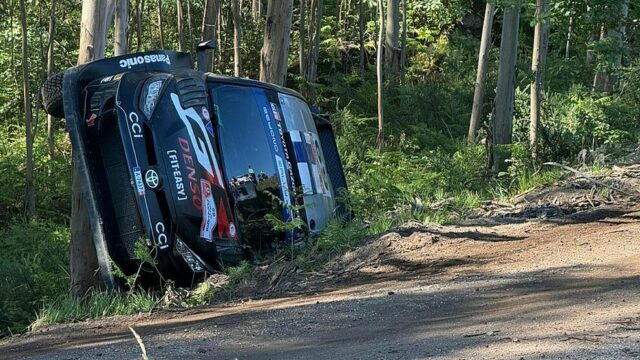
pixel 98 305
pixel 34 258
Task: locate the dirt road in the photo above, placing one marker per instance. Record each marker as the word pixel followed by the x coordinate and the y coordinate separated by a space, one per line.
pixel 564 288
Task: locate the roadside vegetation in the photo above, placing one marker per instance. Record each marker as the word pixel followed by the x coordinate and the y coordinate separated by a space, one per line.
pixel 427 171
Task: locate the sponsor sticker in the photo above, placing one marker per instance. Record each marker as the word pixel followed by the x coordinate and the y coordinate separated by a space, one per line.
pixel 232 230
pixel 209 127
pixel 209 212
pixel 205 114
pixel 137 176
pixel 146 59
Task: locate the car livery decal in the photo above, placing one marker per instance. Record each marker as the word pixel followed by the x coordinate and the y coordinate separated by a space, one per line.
pixel 199 144
pixel 273 130
pixel 137 174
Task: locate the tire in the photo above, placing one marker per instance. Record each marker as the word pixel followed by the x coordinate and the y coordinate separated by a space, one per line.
pixel 52 95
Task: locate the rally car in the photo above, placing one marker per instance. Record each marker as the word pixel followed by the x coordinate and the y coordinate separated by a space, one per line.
pixel 188 166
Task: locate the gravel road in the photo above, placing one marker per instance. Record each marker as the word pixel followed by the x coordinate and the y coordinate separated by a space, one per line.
pixel 539 289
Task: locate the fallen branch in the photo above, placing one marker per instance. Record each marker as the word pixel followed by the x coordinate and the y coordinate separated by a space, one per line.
pixel 590 178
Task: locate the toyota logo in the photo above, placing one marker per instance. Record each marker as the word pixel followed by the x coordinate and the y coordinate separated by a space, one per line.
pixel 152 179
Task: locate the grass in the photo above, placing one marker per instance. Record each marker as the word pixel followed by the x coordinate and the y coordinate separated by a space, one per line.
pixel 100 304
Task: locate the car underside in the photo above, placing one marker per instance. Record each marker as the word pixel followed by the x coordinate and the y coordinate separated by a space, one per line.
pixel 191 168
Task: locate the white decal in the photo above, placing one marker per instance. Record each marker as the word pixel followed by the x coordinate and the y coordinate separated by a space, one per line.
pixel 146 59
pixel 162 238
pixel 177 174
pixel 282 175
pixel 137 175
pixel 232 230
pixel 202 147
pixel 136 128
pixel 209 213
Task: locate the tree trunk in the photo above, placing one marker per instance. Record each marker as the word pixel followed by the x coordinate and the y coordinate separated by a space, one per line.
pixel 50 126
pixel 84 262
pixel 403 51
pixel 505 93
pixel 30 197
pixel 140 13
pixel 607 81
pixel 237 37
pixel 481 77
pixel 392 38
pixel 189 30
pixel 315 44
pixel 275 48
pixel 567 48
pixel 161 24
pixel 540 44
pixel 122 23
pixel 256 10
pixel 380 137
pixel 209 26
pixel 302 56
pixel 181 39
pixel 363 55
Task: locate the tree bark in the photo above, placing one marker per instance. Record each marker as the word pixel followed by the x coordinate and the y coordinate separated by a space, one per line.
pixel 256 10
pixel 84 262
pixel 392 38
pixel 139 23
pixel 403 51
pixel 363 55
pixel 122 23
pixel 567 48
pixel 209 26
pixel 302 56
pixel 505 93
pixel 540 44
pixel 30 197
pixel 275 48
pixel 189 29
pixel 237 37
pixel 315 43
pixel 606 81
pixel 481 77
pixel 380 137
pixel 181 39
pixel 50 126
pixel 161 24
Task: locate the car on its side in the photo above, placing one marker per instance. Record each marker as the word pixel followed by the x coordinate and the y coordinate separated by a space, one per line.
pixel 189 165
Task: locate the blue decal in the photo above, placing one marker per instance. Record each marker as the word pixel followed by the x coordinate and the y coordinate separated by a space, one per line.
pixel 209 127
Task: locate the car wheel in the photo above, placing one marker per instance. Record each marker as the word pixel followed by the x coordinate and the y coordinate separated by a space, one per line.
pixel 52 95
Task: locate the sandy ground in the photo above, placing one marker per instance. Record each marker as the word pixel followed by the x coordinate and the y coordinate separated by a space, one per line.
pixel 564 288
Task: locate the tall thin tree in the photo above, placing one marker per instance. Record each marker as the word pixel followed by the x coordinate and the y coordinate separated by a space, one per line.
pixel 161 24
pixel 302 56
pixel 84 261
pixel 182 42
pixel 381 32
pixel 540 44
pixel 314 45
pixel 361 45
pixel 121 24
pixel 30 197
pixel 392 37
pixel 505 92
pixel 481 77
pixel 209 25
pixel 236 10
pixel 50 63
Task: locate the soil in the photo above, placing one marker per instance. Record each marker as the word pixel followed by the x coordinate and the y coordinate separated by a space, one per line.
pixel 520 283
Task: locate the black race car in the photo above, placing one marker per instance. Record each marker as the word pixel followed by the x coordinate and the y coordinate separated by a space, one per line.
pixel 186 165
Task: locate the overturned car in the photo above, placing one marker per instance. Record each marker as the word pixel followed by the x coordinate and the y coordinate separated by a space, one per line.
pixel 188 165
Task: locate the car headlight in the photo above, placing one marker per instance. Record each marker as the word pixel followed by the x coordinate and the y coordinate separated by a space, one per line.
pixel 151 93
